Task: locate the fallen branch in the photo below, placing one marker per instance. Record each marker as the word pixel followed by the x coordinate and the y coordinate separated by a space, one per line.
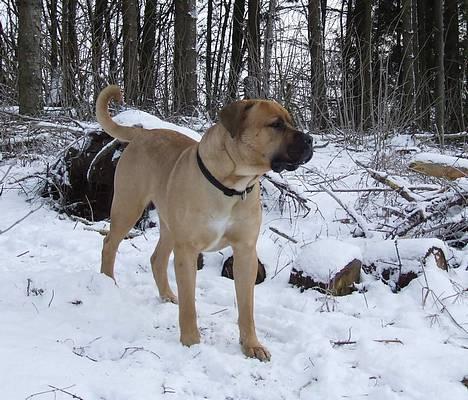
pixel 283 235
pixel 288 191
pixel 388 341
pixel 20 220
pixel 375 189
pixel 130 235
pixel 351 212
pixel 384 178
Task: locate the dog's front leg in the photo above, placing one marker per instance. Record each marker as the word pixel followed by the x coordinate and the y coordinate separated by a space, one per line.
pixel 245 272
pixel 185 259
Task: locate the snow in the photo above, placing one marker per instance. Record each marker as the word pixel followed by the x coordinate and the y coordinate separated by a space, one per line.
pixel 324 258
pixel 443 159
pixel 148 121
pixel 410 252
pixel 65 325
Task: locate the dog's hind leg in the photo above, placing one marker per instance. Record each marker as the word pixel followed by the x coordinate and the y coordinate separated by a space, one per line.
pixel 124 214
pixel 159 261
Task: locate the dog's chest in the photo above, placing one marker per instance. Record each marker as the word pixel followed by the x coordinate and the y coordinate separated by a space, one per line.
pixel 216 228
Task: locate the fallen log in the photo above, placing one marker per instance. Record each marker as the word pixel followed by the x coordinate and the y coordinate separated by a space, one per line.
pixel 439 166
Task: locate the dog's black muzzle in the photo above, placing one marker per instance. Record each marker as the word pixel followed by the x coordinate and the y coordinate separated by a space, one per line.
pixel 297 153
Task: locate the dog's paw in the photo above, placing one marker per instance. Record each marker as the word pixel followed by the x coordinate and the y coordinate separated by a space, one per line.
pixel 257 351
pixel 190 339
pixel 169 298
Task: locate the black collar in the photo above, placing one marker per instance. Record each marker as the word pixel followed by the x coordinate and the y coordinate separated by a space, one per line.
pixel 227 191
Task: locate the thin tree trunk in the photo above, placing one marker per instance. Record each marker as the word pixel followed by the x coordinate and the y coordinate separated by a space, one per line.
pixel 97 43
pixel 318 102
pixel 362 25
pixel 453 65
pixel 148 42
pixel 111 39
pixel 252 87
pixel 53 98
pixel 185 57
pixel 219 64
pixel 29 56
pixel 208 58
pixel 408 60
pixel 236 48
pixel 268 47
pixel 130 49
pixel 69 53
pixel 440 71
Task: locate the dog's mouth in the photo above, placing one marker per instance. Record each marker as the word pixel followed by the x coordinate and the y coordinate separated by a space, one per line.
pixel 278 165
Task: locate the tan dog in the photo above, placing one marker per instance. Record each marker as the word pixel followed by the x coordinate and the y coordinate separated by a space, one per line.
pixel 207 196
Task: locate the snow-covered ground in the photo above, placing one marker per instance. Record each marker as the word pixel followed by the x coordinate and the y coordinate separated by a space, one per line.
pixel 67 330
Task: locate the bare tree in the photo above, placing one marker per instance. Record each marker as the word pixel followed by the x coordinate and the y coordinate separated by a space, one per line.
pixel 440 73
pixel 148 41
pixel 29 56
pixel 253 81
pixel 69 53
pixel 408 59
pixel 185 57
pixel 130 49
pixel 362 85
pixel 318 104
pixel 453 66
pixel 236 48
pixel 268 46
pixel 97 23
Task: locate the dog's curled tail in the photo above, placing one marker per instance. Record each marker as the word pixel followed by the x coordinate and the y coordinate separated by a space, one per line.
pixel 122 133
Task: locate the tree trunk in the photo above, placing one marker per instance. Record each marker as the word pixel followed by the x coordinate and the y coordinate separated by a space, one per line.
pixel 69 53
pixel 208 59
pixel 440 70
pixel 318 104
pixel 220 64
pixel 130 49
pixel 252 83
pixel 453 65
pixel 29 56
pixel 97 43
pixel 423 100
pixel 268 46
pixel 236 48
pixel 148 41
pixel 53 97
pixel 111 39
pixel 185 57
pixel 408 61
pixel 362 26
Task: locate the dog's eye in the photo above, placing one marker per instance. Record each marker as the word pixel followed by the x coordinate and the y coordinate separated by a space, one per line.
pixel 277 124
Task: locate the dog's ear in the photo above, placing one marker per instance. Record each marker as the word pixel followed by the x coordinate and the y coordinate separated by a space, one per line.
pixel 233 115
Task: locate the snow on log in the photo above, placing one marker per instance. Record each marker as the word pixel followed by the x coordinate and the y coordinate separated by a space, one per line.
pixel 398 262
pixel 228 272
pixel 439 165
pixel 328 266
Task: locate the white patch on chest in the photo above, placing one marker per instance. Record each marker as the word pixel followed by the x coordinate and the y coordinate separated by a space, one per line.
pixel 217 227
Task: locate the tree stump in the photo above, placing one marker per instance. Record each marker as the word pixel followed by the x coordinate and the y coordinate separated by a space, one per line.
pixel 227 270
pixel 340 284
pixel 329 266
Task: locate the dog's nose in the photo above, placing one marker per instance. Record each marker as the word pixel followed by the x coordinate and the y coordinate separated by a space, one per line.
pixel 308 140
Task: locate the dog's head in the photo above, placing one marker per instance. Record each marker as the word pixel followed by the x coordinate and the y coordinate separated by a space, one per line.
pixel 265 136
